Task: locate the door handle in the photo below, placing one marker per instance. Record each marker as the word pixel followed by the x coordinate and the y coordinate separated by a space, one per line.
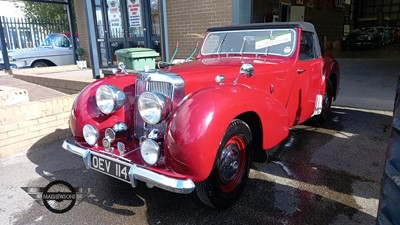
pixel 300 71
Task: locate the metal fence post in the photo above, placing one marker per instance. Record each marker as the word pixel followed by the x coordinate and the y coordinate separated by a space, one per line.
pixel 4 48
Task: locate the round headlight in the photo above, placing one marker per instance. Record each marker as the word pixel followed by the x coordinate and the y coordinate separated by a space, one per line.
pixel 91 134
pixel 150 151
pixel 153 107
pixel 109 98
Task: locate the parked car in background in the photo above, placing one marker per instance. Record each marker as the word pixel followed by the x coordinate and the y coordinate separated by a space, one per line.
pixel 55 50
pixel 384 32
pixel 370 37
pixel 363 38
pixel 198 125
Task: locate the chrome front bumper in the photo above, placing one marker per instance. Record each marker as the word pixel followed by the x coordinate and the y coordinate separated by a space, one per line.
pixel 138 173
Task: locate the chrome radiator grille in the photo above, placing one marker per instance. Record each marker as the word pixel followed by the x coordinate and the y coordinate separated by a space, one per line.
pixel 162 87
pixel 168 84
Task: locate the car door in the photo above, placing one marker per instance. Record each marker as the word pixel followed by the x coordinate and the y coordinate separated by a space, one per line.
pixel 309 76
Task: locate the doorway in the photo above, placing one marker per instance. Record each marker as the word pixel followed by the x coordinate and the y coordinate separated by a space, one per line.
pixel 285 12
pixel 127 24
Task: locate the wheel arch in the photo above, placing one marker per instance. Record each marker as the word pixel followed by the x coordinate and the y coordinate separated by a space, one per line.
pixel 333 78
pixel 333 75
pixel 252 119
pixel 47 61
pixel 195 128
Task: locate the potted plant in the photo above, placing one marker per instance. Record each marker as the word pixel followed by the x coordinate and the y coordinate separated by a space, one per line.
pixel 80 63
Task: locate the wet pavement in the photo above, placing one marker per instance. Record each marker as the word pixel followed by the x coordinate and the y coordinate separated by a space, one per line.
pixel 330 176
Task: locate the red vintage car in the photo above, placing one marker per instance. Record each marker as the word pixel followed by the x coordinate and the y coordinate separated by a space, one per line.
pixel 198 125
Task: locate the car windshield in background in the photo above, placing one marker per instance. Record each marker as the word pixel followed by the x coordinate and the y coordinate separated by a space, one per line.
pixel 56 40
pixel 279 42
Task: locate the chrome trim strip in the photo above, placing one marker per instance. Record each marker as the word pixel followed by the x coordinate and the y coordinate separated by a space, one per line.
pixel 42 56
pixel 136 172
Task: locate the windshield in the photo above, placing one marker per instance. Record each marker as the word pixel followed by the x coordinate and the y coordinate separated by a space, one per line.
pixel 56 40
pixel 280 42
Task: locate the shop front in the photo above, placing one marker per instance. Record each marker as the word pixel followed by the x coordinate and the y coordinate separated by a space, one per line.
pixel 126 24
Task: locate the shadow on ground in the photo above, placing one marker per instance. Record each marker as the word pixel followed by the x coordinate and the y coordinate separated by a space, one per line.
pixel 345 156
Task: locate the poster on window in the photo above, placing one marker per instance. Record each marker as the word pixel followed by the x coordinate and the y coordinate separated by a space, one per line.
pixel 114 15
pixel 134 13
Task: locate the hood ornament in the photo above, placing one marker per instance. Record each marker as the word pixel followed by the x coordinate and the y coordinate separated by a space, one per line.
pixel 122 68
pixel 219 79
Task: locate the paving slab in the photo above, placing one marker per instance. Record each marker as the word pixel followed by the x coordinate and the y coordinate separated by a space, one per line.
pixel 36 92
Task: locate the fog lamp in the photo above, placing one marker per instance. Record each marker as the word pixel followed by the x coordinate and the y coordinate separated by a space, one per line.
pixel 90 133
pixel 150 151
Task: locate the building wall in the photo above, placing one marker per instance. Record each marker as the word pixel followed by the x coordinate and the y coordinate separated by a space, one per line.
pixel 34 124
pixel 81 22
pixel 189 19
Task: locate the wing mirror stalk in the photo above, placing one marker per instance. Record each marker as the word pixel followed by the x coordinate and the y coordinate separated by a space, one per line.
pixel 245 70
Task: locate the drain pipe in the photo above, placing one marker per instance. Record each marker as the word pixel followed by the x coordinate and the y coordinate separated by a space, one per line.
pixel 164 31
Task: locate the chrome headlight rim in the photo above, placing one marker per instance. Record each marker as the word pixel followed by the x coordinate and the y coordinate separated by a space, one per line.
pixel 90 134
pixel 163 106
pixel 109 98
pixel 150 152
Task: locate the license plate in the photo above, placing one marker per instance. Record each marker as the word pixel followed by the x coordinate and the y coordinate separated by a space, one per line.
pixel 110 167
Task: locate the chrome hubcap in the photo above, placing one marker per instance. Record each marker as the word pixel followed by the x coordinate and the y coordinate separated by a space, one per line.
pixel 229 163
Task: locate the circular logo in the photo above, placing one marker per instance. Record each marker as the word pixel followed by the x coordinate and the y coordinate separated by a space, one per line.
pixel 287 50
pixel 59 196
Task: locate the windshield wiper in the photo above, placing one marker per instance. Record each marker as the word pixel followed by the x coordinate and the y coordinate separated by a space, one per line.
pixel 243 45
pixel 220 44
pixel 266 50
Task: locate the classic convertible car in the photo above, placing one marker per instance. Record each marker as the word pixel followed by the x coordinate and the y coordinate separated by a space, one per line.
pixel 55 50
pixel 198 125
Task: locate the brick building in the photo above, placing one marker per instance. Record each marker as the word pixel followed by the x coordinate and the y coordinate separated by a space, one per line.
pixel 160 24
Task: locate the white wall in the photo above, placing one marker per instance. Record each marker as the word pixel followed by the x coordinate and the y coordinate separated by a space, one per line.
pixel 10 9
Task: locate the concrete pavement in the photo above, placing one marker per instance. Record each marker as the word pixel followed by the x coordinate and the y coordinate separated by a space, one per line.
pixel 368 83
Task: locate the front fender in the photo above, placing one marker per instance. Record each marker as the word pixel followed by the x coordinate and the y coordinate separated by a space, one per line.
pixel 196 128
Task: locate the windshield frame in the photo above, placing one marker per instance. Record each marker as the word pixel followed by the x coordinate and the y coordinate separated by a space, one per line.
pixel 266 52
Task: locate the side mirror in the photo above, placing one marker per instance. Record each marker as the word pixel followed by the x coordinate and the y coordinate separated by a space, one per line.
pixel 247 69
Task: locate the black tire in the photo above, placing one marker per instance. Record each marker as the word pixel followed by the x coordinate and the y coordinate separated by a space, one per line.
pixel 40 63
pixel 226 182
pixel 326 103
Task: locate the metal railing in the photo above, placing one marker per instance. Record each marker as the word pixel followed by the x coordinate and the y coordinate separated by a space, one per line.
pixel 26 33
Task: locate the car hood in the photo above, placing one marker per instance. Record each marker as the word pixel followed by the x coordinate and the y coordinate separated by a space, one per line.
pixel 201 73
pixel 36 52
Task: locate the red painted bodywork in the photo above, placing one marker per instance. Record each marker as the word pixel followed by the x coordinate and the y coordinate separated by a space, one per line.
pixel 277 94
